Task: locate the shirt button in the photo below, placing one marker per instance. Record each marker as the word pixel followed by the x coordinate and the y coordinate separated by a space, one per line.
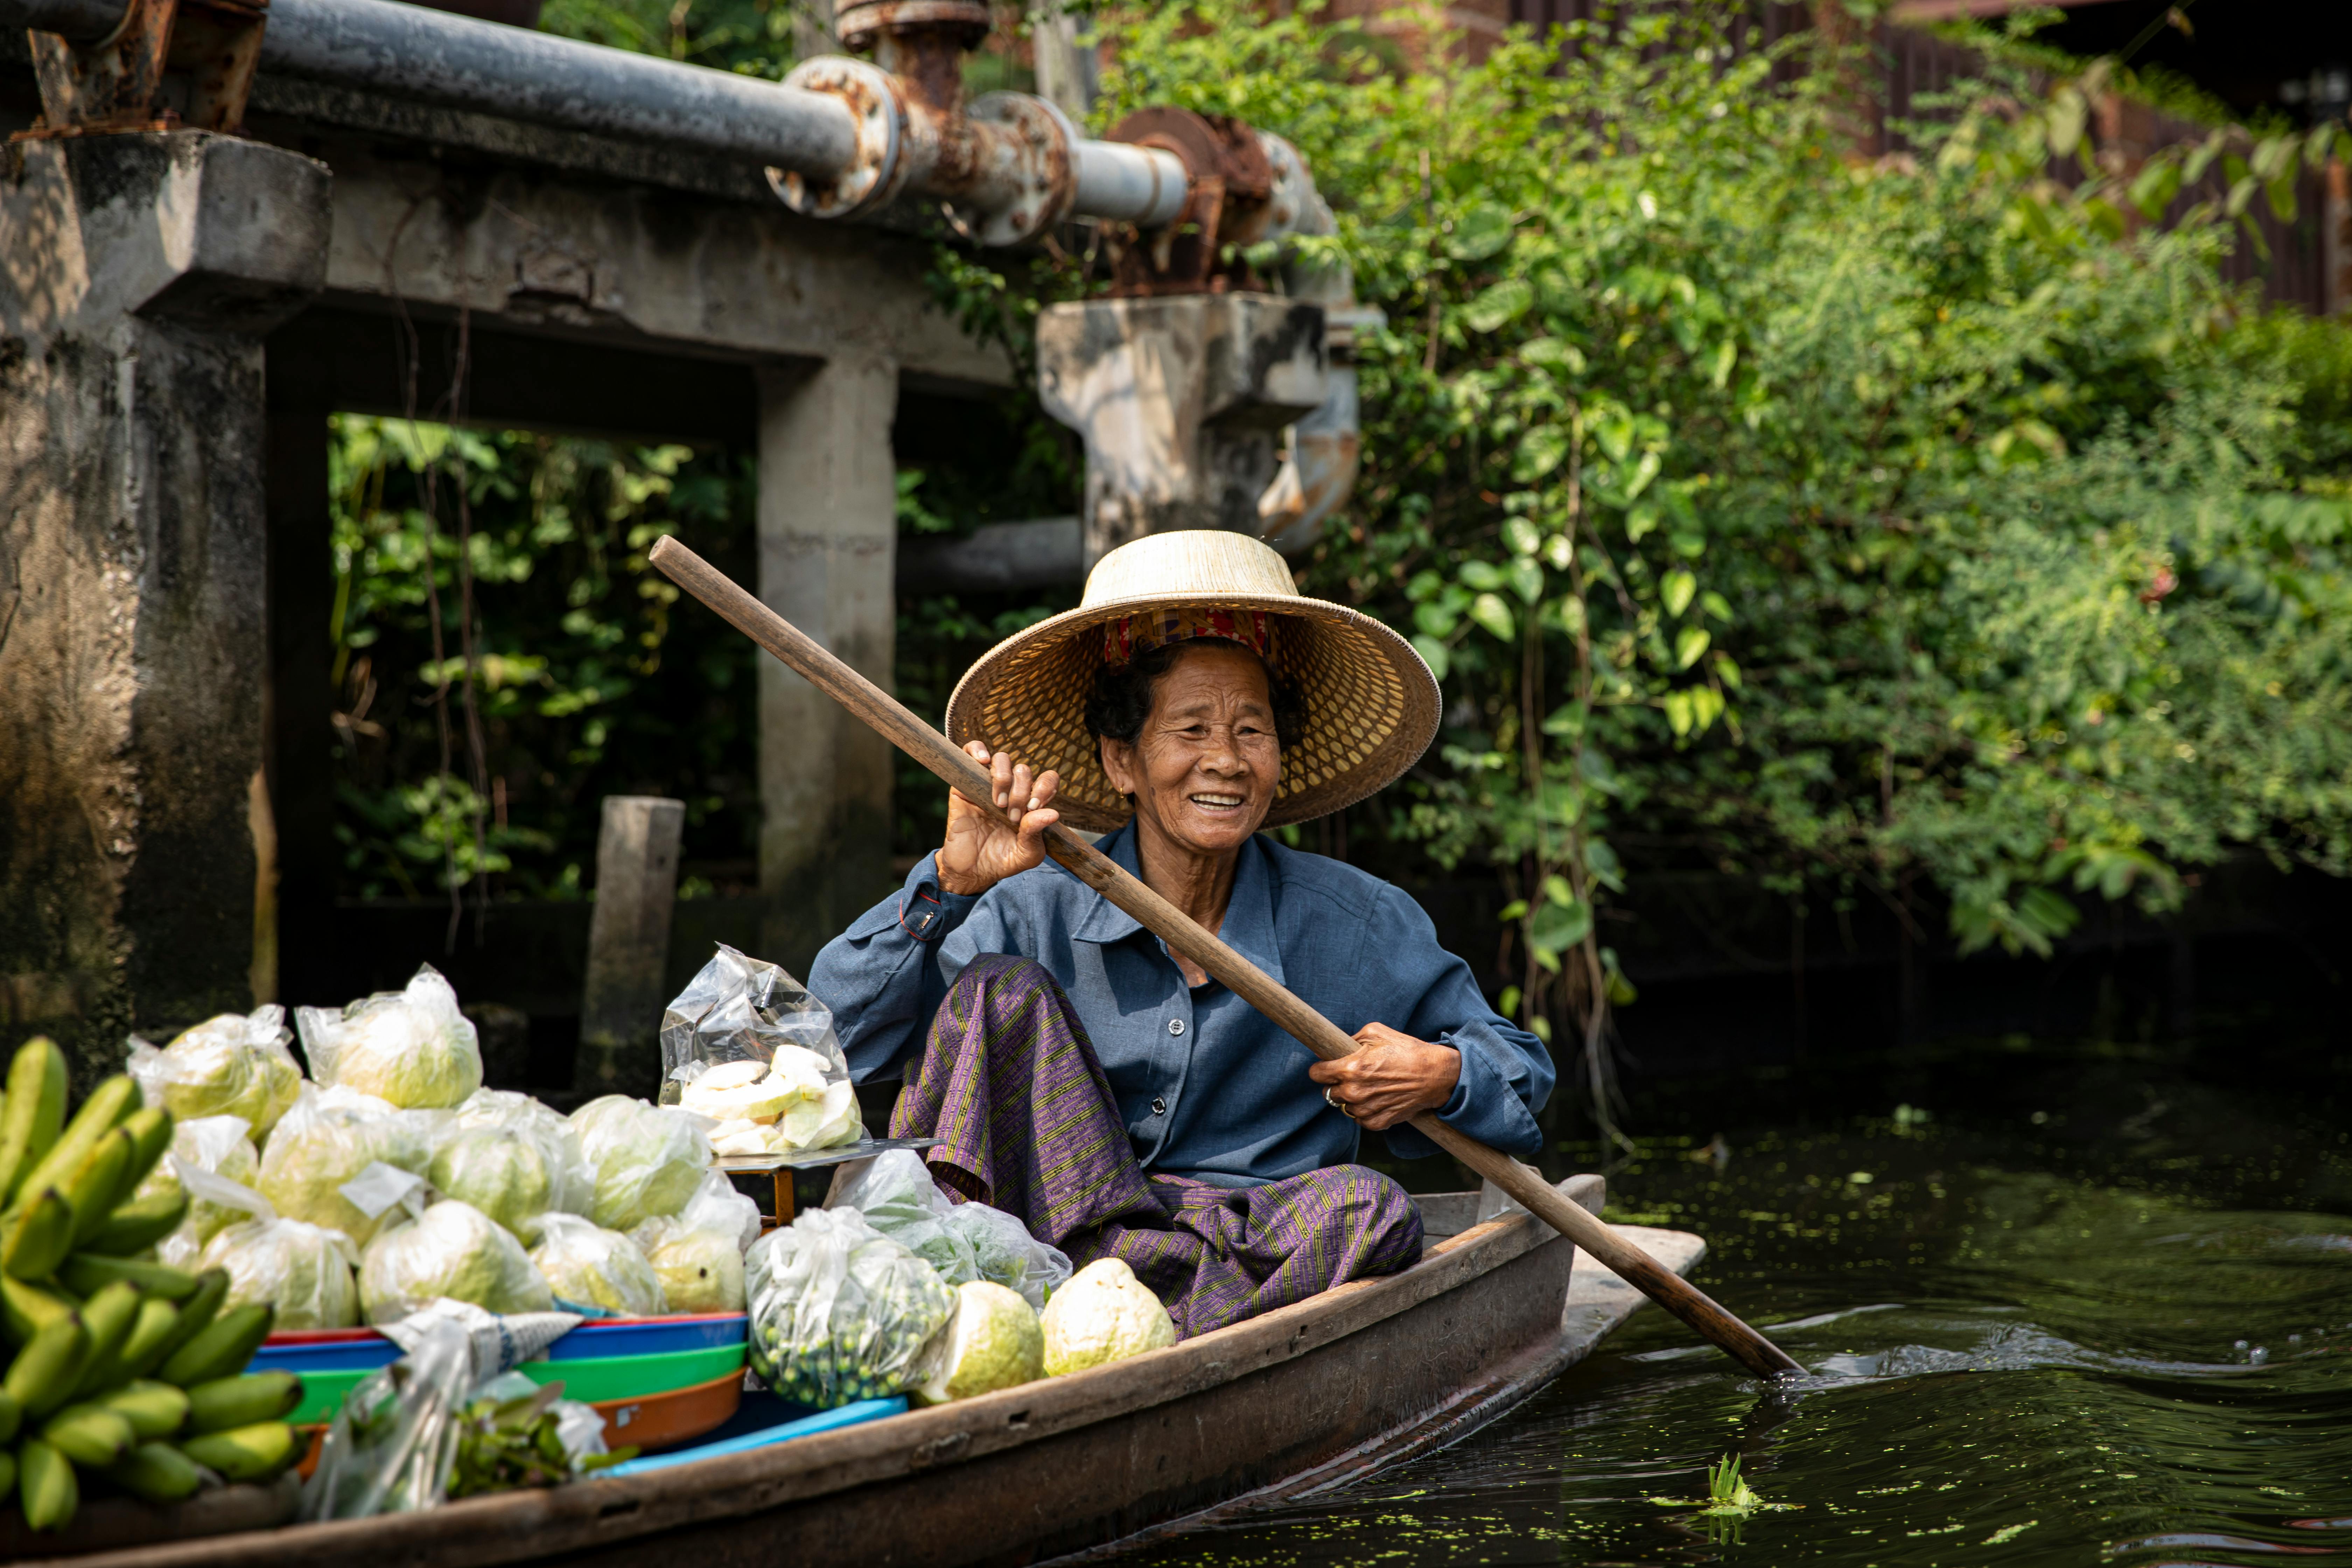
pixel 1159 1106
pixel 1175 1025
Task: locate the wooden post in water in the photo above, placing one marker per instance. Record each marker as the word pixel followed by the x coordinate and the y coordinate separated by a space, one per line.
pixel 628 946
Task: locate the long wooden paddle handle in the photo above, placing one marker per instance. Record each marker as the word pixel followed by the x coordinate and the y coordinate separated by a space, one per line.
pixel 1185 935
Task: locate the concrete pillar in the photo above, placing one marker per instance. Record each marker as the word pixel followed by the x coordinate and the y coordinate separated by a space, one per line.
pixel 828 532
pixel 137 275
pixel 1181 401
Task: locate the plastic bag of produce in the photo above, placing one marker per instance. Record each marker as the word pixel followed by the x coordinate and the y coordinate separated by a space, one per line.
pixel 967 1241
pixel 648 1159
pixel 218 1146
pixel 389 1447
pixel 572 1184
pixel 839 1312
pixel 234 1065
pixel 512 1432
pixel 452 1250
pixel 328 1138
pixel 303 1270
pixel 587 1266
pixel 745 1043
pixel 697 1254
pixel 411 1048
pixel 743 1009
pixel 993 1341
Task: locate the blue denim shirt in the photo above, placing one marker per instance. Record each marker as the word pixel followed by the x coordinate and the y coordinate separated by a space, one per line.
pixel 1207 1087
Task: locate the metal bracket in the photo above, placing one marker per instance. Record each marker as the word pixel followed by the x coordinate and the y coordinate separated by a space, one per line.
pixel 172 64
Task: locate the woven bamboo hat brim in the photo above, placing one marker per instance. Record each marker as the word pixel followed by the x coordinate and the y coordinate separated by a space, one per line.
pixel 1371 703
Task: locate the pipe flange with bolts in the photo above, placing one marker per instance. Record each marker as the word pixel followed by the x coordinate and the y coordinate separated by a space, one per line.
pixel 1033 186
pixel 877 171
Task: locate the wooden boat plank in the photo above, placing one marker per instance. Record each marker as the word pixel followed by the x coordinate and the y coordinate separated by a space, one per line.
pixel 1050 1465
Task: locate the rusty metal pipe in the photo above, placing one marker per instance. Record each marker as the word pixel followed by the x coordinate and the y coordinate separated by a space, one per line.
pixel 407 51
pixel 1126 184
pixel 410 52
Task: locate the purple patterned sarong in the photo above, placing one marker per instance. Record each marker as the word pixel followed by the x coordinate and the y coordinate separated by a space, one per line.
pixel 1008 1080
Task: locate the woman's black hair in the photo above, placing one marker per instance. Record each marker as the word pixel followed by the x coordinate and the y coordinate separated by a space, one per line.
pixel 1121 698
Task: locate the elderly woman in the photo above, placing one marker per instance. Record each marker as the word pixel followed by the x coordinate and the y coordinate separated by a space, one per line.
pixel 1104 1090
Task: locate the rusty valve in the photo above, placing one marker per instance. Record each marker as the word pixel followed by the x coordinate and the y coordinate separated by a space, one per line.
pixel 1005 167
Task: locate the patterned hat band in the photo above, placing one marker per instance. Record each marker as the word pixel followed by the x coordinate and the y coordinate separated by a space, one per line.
pixel 1125 639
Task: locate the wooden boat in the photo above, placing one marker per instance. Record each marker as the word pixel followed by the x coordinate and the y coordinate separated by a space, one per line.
pixel 1303 1398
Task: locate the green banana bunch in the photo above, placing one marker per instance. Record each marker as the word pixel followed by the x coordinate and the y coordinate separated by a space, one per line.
pixel 115 1366
pixel 35 1112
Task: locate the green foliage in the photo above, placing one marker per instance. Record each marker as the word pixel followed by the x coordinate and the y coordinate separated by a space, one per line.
pixel 1921 526
pixel 583 681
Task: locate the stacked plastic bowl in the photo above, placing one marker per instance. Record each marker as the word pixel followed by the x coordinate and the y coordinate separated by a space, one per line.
pixel 655 1380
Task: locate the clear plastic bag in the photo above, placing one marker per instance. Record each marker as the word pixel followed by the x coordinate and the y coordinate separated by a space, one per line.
pixel 411 1048
pixel 839 1312
pixel 967 1241
pixel 218 1146
pixel 588 1267
pixel 452 1250
pixel 514 1432
pixel 573 1179
pixel 330 1137
pixel 304 1271
pixel 698 1255
pixel 233 1065
pixel 745 1045
pixel 389 1447
pixel 740 1009
pixel 648 1159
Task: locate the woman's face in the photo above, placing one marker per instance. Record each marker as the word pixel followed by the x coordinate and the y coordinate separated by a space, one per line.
pixel 1203 770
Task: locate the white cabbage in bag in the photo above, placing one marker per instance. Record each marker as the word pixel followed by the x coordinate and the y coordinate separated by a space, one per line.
pixel 330 1137
pixel 218 1146
pixel 595 1267
pixel 234 1065
pixel 574 1187
pixel 452 1250
pixel 699 1254
pixel 302 1270
pixel 411 1048
pixel 648 1159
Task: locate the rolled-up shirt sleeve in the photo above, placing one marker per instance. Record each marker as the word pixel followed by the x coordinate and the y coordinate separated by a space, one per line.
pixel 885 976
pixel 1506 1074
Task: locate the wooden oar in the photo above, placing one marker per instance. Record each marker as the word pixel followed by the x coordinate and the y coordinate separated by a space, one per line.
pixel 1179 931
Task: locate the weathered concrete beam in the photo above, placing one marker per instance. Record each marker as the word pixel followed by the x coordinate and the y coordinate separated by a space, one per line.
pixel 136 277
pixel 630 265
pixel 996 557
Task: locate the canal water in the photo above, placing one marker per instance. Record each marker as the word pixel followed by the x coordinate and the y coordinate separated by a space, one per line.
pixel 2085 1306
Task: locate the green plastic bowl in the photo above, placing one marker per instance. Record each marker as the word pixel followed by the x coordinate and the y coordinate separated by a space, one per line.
pixel 634 1376
pixel 322 1395
pixel 589 1381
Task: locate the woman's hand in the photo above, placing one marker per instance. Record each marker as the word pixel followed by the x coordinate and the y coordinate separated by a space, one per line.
pixel 1391 1079
pixel 985 846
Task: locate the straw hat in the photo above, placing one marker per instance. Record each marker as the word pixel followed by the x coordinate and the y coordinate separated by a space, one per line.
pixel 1371 703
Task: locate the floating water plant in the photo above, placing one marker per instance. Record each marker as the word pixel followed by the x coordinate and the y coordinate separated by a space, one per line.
pixel 1726 1492
pixel 1728 1496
